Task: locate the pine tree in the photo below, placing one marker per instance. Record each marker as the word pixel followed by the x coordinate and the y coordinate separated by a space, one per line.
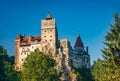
pixel 110 66
pixel 111 53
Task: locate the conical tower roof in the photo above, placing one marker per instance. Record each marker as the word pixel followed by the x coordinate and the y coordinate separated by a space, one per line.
pixel 48 16
pixel 78 42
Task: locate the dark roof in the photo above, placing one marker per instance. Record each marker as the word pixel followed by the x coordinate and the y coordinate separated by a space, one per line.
pixel 78 42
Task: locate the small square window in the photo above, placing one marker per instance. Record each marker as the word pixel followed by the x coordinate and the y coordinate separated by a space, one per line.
pixel 50 29
pixel 50 39
pixel 45 36
pixel 51 36
pixel 45 31
pixel 21 59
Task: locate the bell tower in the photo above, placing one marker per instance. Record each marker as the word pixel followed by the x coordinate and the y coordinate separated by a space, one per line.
pixel 49 34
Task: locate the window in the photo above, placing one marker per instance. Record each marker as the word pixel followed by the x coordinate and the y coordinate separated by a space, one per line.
pixel 45 31
pixel 50 39
pixel 46 46
pixel 45 40
pixel 71 61
pixel 45 36
pixel 51 36
pixel 21 59
pixel 21 53
pixel 50 29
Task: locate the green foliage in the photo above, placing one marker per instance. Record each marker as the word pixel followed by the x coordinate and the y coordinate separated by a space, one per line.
pixel 3 58
pixel 39 67
pixel 99 71
pixel 7 73
pixel 82 74
pixel 108 69
pixel 11 74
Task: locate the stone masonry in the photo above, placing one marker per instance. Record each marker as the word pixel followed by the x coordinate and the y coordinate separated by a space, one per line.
pixel 61 50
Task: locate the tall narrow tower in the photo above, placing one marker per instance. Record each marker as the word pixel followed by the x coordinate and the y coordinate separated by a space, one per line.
pixel 17 53
pixel 49 34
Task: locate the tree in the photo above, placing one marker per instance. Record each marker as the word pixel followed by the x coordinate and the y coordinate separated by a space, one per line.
pixel 7 72
pixel 110 66
pixel 11 74
pixel 99 71
pixel 39 67
pixel 3 58
pixel 81 74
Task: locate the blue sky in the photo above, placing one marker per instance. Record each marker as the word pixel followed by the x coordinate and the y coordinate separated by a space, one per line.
pixel 90 18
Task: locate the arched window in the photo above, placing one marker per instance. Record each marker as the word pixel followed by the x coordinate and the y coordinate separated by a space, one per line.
pixel 71 61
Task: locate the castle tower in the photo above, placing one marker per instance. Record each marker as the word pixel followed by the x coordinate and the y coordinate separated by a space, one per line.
pixel 79 44
pixel 81 53
pixel 17 52
pixel 49 34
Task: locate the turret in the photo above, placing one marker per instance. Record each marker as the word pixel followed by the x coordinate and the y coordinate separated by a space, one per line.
pixel 17 53
pixel 78 42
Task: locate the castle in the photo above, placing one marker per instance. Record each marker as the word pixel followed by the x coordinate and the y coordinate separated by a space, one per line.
pixel 61 50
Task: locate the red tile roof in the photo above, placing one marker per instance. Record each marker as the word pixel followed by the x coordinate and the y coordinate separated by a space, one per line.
pixel 36 38
pixel 48 16
pixel 18 37
pixel 78 42
pixel 25 41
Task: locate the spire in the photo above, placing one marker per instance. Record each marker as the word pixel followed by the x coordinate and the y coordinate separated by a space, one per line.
pixel 78 42
pixel 48 16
